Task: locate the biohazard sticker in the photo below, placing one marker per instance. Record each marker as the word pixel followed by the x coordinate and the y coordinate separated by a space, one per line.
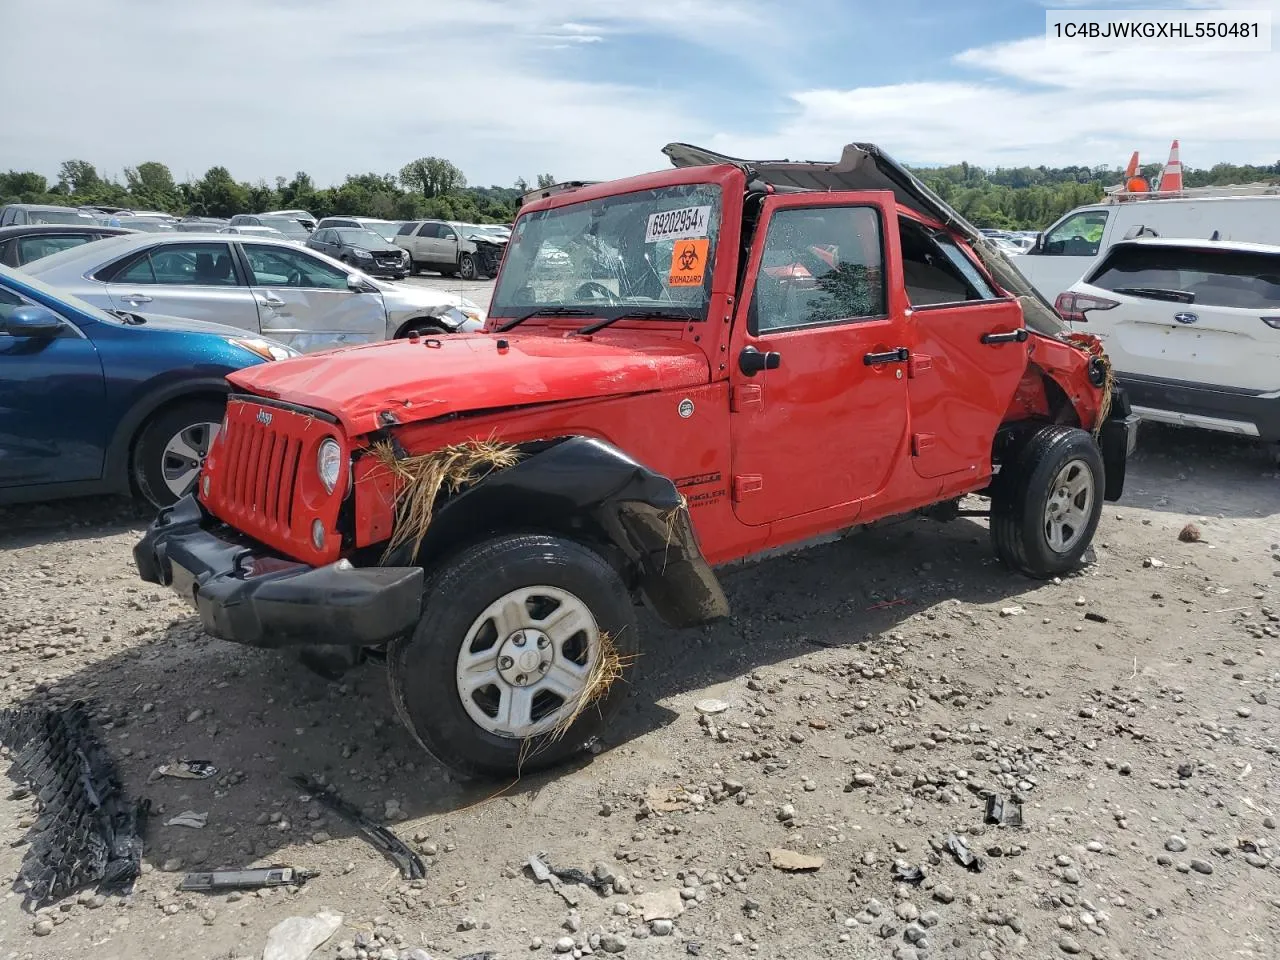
pixel 688 263
pixel 686 224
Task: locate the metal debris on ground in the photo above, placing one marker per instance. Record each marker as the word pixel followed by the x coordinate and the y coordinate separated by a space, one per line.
pixel 964 856
pixel 543 871
pixel 1007 813
pixel 410 864
pixel 253 879
pixel 189 818
pixel 89 831
pixel 906 873
pixel 187 770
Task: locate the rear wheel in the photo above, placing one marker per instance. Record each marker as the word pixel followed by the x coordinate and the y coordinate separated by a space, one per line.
pixel 171 448
pixel 420 328
pixel 414 267
pixel 1047 501
pixel 502 674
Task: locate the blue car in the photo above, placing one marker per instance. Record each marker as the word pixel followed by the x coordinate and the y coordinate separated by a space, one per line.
pixel 95 402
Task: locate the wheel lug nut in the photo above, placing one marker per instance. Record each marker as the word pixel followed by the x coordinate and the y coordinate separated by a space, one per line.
pixel 520 680
pixel 506 663
pixel 519 639
pixel 542 643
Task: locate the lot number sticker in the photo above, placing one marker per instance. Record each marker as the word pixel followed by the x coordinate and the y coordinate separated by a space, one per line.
pixel 685 224
pixel 688 263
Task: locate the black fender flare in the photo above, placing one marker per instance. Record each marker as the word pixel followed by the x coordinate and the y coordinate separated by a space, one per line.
pixel 589 490
pixel 116 470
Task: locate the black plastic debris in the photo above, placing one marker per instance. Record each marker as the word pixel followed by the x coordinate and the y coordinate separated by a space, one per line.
pixel 907 873
pixel 1185 770
pixel 964 856
pixel 1007 813
pixel 89 831
pixel 410 864
pixel 1095 617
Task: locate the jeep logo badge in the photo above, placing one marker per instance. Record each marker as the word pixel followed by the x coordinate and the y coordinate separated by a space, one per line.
pixel 686 408
pixel 1185 317
pixel 264 418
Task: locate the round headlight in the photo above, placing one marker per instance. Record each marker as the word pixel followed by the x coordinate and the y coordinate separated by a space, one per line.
pixel 329 463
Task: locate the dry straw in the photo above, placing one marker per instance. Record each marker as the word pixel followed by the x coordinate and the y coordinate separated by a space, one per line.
pixel 420 479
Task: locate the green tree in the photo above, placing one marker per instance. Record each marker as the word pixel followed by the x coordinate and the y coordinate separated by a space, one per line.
pixel 432 177
pixel 23 185
pixel 151 185
pixel 216 194
pixel 546 180
pixel 79 177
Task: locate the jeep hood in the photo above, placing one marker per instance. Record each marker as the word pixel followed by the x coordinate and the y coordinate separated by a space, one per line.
pixel 364 386
pixel 864 166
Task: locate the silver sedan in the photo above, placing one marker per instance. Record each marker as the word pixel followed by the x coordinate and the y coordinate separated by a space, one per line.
pixel 270 287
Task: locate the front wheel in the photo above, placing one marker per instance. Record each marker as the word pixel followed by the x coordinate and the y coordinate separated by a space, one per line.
pixel 1047 501
pixel 516 664
pixel 467 267
pixel 171 448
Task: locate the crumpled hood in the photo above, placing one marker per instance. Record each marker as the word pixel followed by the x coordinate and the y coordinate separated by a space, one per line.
pixel 435 377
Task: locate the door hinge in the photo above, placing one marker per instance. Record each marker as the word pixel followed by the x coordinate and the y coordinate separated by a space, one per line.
pixel 744 484
pixel 921 443
pixel 746 396
pixel 917 364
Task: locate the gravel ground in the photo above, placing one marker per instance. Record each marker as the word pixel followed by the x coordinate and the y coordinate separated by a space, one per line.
pixel 478 291
pixel 873 688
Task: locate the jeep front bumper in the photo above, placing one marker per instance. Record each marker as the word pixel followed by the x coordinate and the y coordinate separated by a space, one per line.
pixel 246 594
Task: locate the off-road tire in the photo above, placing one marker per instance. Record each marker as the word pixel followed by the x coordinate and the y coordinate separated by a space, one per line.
pixel 147 461
pixel 422 668
pixel 467 267
pixel 1021 493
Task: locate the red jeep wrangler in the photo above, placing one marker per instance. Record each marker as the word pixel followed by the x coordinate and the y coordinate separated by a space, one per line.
pixel 679 370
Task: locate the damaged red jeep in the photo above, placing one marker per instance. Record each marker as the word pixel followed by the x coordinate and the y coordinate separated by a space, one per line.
pixel 679 370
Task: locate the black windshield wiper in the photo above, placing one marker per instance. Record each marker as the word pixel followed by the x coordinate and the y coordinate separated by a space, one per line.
pixel 543 312
pixel 657 314
pixel 1158 293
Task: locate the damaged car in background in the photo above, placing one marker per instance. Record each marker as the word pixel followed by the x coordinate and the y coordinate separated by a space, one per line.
pixel 275 288
pixel 470 251
pixel 719 361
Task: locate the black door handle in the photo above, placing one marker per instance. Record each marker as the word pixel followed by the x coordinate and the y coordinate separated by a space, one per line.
pixel 751 361
pixel 1014 336
pixel 901 355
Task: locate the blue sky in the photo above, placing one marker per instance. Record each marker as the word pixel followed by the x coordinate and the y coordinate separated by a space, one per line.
pixel 593 88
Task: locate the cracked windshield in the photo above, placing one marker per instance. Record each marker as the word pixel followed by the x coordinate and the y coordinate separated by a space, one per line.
pixel 645 250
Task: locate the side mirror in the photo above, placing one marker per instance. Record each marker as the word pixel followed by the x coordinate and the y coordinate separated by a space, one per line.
pixel 1038 246
pixel 34 322
pixel 357 284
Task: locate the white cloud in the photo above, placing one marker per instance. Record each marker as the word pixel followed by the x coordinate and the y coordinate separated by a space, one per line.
pixel 268 87
pixel 332 87
pixel 1028 102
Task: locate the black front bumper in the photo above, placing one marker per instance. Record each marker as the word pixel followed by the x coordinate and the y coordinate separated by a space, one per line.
pixel 246 594
pixel 1117 439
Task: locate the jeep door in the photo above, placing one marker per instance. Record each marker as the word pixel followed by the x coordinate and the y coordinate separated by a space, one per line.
pixel 818 379
pixel 966 358
pixel 198 280
pixel 308 303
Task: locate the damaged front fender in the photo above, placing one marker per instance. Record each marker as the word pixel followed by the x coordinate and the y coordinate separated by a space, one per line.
pixel 589 490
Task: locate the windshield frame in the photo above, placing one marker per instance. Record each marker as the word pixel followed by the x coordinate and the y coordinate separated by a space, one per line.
pixel 722 231
pixel 301 234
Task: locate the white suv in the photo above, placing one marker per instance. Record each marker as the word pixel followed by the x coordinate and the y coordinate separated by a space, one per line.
pixel 1192 328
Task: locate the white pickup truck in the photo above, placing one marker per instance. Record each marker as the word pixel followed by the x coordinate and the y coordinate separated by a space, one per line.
pixel 468 250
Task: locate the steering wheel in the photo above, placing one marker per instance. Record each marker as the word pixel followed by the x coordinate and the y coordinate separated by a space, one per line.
pixel 595 290
pixel 296 279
